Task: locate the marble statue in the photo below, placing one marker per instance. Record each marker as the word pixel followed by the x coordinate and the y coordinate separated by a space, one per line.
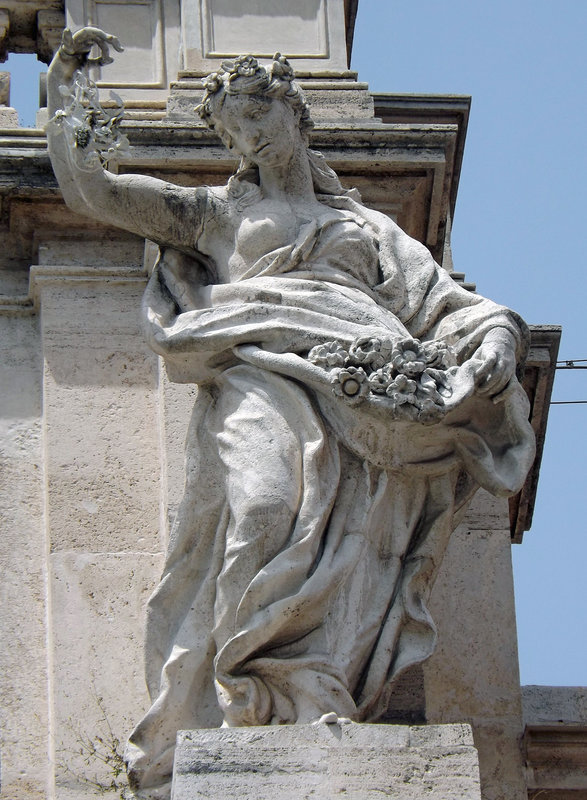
pixel 351 399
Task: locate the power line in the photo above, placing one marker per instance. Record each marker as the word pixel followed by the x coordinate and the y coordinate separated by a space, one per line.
pixel 572 363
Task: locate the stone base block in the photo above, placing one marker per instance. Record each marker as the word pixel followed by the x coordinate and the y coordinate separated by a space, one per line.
pixel 8 117
pixel 307 762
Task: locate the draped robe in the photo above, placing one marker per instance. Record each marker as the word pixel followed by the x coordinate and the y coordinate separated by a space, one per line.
pixel 310 530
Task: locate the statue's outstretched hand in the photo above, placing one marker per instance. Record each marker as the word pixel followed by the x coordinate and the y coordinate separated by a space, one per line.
pixel 79 45
pixel 494 362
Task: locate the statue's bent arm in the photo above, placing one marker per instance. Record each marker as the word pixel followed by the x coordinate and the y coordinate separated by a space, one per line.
pixel 140 204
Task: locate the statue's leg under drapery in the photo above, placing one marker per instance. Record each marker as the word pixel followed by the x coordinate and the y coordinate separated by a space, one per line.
pixel 288 584
pixel 282 474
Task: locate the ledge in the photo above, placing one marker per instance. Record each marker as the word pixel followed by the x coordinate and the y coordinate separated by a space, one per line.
pixel 556 761
pixel 537 380
pixel 405 169
pixel 430 109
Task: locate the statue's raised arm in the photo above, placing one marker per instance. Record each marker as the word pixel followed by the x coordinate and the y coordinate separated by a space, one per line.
pixel 351 399
pixel 161 211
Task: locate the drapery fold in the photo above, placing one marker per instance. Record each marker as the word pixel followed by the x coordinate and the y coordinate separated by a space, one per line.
pixel 310 530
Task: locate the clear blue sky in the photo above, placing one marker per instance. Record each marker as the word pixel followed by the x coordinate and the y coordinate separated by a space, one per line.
pixel 518 233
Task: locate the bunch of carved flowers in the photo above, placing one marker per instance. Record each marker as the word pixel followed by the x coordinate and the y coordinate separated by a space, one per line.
pixel 93 132
pixel 412 375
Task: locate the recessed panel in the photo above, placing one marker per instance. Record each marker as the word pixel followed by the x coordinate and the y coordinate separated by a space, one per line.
pixel 138 25
pixel 262 27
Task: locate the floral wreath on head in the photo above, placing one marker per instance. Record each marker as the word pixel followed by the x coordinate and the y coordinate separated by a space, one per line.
pixel 245 75
pixel 255 79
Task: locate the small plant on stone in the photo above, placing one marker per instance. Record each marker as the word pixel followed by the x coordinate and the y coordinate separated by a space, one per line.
pixel 98 749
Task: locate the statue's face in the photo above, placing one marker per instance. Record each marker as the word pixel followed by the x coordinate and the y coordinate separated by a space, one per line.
pixel 262 128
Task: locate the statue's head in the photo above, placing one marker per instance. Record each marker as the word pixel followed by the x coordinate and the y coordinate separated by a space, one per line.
pixel 250 106
pixel 246 78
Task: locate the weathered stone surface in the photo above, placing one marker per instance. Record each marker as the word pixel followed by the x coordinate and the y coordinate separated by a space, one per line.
pixel 311 32
pixel 362 762
pixel 4 88
pixel 98 600
pixel 102 458
pixel 24 666
pixel 8 117
pixel 19 26
pixel 554 705
pixel 351 396
pixel 473 675
pixel 50 25
pixel 4 29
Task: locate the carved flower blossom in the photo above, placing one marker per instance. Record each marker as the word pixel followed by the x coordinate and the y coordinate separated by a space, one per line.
pixel 409 358
pixel 402 390
pixel 281 68
pixel 213 82
pixel 243 66
pixel 380 380
pixel 414 376
pixel 350 383
pixel 439 354
pixel 329 354
pixel 371 351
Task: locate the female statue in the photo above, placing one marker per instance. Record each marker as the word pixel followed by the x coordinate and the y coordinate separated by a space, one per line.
pixel 351 399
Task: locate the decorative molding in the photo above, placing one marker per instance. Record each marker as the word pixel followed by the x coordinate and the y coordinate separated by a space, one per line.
pixel 4 88
pixel 430 110
pixel 4 28
pixel 538 380
pixel 222 40
pixel 556 761
pixel 18 306
pixel 42 276
pixel 50 25
pixel 148 16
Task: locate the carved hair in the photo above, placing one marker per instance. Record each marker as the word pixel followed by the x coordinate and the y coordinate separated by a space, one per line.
pixel 245 75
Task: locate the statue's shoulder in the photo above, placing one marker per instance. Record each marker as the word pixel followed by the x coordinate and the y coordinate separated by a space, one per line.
pixel 218 201
pixel 218 216
pixel 217 194
pixel 227 204
pixel 213 203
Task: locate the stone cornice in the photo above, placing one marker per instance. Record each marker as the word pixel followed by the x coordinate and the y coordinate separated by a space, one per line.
pixel 538 381
pixel 32 27
pixel 556 760
pixel 42 276
pixel 430 109
pixel 416 160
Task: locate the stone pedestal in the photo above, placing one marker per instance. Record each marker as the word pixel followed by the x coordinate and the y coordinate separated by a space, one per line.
pixel 295 762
